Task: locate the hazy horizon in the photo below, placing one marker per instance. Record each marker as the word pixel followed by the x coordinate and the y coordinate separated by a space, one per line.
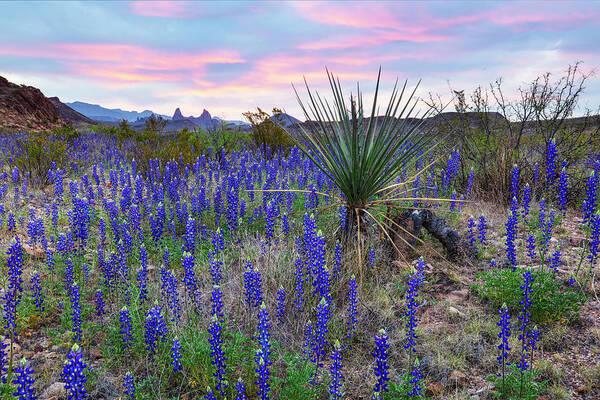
pixel 229 57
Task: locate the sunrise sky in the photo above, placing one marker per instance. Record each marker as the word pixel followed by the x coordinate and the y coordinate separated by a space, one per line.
pixel 229 57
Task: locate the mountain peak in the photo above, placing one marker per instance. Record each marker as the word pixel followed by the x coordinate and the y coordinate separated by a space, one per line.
pixel 205 116
pixel 178 115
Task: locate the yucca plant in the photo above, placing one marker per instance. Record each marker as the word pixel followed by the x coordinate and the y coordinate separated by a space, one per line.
pixel 364 155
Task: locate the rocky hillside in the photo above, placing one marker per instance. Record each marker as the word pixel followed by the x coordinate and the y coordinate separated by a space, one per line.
pixel 69 115
pixel 26 108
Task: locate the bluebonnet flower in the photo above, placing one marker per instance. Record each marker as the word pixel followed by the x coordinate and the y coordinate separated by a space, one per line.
pixel 189 276
pixel 307 344
pixel 524 319
pixel 216 299
pixel 469 183
pixel 11 224
pixel 75 297
pixel 155 329
pixel 36 288
pixel 481 231
pixel 15 271
pixel 189 243
pixel 412 292
pixel 216 268
pixel 530 247
pixel 555 260
pixel 511 233
pixel 176 355
pixel 24 381
pixel 209 394
pixel 319 342
pixel 514 182
pixel 125 327
pixel 4 355
pixel 232 205
pixel 81 220
pixel 589 204
pixel 172 294
pixel 73 374
pixel 594 241
pixel 547 232
pixel 352 303
pixel 240 390
pixel 562 191
pixel 262 357
pixel 270 213
pixel 99 302
pixel 381 367
pixel 335 370
pixel 218 241
pixel 299 284
pixel 217 355
pixel 337 260
pixel 280 304
pixel 471 230
pixel 217 204
pixel 416 379
pixel 50 261
pixel 371 259
pixel 129 386
pixel 503 335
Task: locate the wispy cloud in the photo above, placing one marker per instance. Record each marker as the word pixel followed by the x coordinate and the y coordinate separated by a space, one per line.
pixel 163 9
pixel 227 56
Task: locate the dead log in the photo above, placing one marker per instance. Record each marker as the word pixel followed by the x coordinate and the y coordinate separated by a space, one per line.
pixel 413 220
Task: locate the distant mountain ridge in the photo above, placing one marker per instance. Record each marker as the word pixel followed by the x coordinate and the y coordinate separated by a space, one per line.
pixel 99 113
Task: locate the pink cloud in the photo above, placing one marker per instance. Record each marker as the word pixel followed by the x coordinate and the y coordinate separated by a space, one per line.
pixel 163 9
pixel 126 63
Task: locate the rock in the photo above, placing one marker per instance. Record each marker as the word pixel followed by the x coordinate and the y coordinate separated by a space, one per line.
pixel 28 354
pixel 475 397
pixel 455 312
pixel 96 353
pixel 56 390
pixel 435 389
pixel 457 377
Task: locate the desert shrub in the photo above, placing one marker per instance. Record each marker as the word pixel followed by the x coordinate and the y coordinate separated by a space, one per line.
pixel 494 130
pixel 219 142
pixel 551 299
pixel 267 136
pixel 38 152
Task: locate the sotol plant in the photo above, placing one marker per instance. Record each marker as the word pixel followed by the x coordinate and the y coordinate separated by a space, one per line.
pixel 364 154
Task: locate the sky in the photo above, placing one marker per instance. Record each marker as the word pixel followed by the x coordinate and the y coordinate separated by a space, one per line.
pixel 230 57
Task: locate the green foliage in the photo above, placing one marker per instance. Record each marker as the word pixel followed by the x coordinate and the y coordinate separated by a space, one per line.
pixel 37 153
pixel 267 135
pixel 551 299
pixel 401 390
pixel 298 374
pixel 517 385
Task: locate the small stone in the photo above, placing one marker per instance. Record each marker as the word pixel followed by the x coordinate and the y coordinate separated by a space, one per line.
pixel 459 378
pixel 57 389
pixel 95 353
pixel 435 389
pixel 455 312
